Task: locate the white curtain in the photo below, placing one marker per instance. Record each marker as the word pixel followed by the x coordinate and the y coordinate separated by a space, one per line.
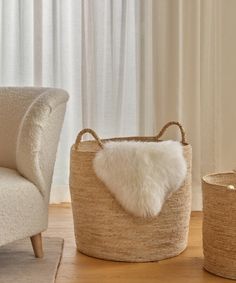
pixel 186 72
pixel 129 67
pixel 90 48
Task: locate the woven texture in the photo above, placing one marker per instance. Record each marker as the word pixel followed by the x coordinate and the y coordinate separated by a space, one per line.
pixel 219 224
pixel 103 229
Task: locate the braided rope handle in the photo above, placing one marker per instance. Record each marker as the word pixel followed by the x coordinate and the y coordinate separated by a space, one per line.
pixel 163 130
pixel 87 131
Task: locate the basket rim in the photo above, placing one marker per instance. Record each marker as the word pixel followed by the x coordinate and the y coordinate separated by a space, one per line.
pixel 218 174
pixel 129 138
pixel 138 139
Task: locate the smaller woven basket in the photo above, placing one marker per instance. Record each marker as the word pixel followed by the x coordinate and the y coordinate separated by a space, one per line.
pixel 103 229
pixel 219 224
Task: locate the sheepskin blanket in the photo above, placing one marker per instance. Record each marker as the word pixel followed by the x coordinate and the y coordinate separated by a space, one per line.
pixel 141 175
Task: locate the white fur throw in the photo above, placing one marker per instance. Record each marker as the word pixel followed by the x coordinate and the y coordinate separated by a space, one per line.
pixel 141 175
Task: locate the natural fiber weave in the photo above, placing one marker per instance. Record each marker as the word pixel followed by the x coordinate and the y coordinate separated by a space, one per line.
pixel 219 224
pixel 103 229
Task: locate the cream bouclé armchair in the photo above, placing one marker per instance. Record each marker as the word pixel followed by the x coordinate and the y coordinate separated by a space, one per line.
pixel 30 123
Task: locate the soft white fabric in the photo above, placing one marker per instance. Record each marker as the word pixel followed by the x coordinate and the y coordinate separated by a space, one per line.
pixel 30 125
pixel 14 103
pixel 23 210
pixel 43 120
pixel 141 175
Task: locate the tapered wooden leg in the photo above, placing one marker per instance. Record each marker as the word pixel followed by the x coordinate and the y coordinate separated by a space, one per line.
pixel 36 241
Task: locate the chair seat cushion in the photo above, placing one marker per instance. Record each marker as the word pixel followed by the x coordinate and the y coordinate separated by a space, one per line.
pixel 23 211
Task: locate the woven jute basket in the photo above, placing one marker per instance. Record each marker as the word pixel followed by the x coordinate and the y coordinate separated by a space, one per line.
pixel 219 224
pixel 103 229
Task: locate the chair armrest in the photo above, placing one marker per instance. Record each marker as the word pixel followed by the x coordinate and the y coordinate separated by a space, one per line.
pixel 38 138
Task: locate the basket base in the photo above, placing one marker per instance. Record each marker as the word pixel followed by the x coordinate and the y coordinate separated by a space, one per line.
pixel 130 259
pixel 219 269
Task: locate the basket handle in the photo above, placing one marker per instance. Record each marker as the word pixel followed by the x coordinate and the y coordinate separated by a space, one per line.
pixel 87 131
pixel 183 135
pixel 162 131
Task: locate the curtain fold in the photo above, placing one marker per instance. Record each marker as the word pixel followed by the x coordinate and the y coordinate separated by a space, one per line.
pixel 129 66
pixel 186 72
pixel 91 49
pixel 177 73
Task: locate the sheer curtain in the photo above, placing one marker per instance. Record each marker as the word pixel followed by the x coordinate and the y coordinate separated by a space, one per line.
pixel 90 48
pixel 129 67
pixel 187 77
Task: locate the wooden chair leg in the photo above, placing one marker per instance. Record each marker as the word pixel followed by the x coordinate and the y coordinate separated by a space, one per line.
pixel 36 241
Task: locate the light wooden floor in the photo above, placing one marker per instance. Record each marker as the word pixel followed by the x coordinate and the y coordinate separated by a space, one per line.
pixel 76 267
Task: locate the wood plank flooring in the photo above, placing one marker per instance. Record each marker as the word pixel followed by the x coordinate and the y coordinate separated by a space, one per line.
pixel 78 268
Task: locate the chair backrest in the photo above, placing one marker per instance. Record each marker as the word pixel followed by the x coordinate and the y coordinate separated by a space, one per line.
pixel 14 103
